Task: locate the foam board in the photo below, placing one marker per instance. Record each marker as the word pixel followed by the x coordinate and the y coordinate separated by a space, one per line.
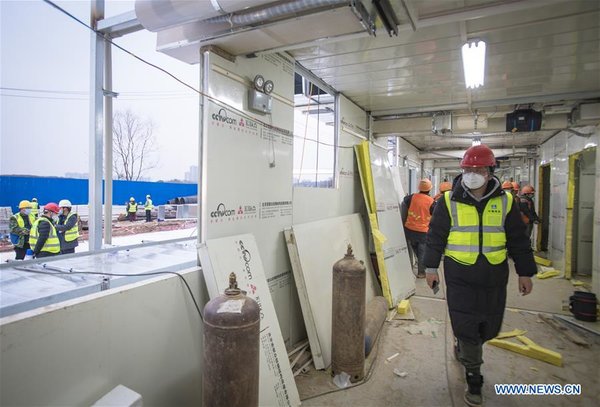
pixel 314 247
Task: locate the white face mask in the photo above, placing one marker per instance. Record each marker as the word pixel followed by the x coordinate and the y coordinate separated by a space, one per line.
pixel 472 180
pixel 27 211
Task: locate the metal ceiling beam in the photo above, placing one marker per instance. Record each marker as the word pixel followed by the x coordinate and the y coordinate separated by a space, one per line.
pixel 120 25
pixel 452 154
pixel 391 114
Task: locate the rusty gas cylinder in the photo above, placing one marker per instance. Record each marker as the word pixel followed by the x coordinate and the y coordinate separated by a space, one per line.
pixel 231 349
pixel 348 317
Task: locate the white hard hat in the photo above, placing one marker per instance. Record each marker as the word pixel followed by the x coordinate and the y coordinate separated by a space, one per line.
pixel 64 203
pixel 147 196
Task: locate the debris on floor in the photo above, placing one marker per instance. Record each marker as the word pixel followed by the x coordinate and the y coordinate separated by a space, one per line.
pixel 400 373
pixel 389 359
pixel 429 327
pixel 567 332
pixel 543 261
pixel 528 348
pixel 547 272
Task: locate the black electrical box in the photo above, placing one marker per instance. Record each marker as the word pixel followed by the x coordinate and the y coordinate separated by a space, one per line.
pixel 523 120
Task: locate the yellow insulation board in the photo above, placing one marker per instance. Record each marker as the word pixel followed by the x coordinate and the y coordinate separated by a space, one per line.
pixel 403 307
pixel 543 261
pixel 363 157
pixel 530 349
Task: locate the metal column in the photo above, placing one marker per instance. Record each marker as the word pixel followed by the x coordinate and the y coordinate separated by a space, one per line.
pixel 108 142
pixel 202 153
pixel 96 128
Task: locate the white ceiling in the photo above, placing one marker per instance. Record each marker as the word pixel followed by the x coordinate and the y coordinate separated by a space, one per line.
pixel 543 54
pixel 537 51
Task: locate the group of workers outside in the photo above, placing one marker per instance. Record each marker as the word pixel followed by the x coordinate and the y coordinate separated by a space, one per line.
pixel 46 231
pixel 476 223
pixel 132 207
pixel 53 229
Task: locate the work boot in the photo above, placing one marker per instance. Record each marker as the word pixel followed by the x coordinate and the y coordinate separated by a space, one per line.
pixel 473 395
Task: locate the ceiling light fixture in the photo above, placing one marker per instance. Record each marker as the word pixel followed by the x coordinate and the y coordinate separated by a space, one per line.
pixel 473 56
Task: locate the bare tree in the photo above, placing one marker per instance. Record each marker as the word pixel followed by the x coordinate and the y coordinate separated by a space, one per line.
pixel 133 145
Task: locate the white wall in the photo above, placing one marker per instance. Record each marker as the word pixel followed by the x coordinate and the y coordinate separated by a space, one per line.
pixel 405 149
pixel 556 151
pixel 146 336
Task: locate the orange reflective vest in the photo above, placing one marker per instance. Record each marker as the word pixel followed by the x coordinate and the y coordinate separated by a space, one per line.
pixel 418 213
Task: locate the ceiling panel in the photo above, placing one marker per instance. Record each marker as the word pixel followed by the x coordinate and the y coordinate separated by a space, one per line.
pixel 551 48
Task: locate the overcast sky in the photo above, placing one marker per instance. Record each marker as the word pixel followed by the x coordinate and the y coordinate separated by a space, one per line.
pixel 44 112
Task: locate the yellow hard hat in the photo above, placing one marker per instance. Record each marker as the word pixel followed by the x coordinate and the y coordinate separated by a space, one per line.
pixel 24 204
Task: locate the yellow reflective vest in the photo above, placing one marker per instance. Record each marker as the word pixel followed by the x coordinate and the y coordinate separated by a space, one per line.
pixel 52 244
pixel 468 237
pixel 148 205
pixel 21 222
pixel 73 233
pixel 35 209
pixel 132 207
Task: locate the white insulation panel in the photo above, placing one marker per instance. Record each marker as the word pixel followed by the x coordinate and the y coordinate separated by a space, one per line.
pixel 314 247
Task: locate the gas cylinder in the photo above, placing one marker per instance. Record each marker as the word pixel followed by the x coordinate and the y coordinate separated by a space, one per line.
pixel 231 349
pixel 348 317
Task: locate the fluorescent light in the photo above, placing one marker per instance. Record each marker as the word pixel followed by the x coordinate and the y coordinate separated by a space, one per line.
pixel 473 55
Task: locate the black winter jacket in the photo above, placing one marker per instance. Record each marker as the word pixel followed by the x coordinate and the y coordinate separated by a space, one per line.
pixel 517 241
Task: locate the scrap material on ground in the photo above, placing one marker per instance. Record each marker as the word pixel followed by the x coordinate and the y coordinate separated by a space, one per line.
pixel 401 380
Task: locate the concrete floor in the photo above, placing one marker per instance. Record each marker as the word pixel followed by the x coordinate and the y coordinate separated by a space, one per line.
pixel 434 378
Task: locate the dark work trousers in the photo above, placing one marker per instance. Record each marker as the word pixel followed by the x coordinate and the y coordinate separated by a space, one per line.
pixel 20 252
pixel 417 242
pixel 529 229
pixel 67 251
pixel 131 216
pixel 148 215
pixel 470 355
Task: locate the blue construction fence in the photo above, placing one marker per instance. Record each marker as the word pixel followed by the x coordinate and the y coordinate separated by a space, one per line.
pixel 52 189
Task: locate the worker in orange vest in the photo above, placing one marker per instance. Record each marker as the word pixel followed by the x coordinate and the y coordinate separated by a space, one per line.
pixel 527 207
pixel 417 206
pixel 444 187
pixel 515 190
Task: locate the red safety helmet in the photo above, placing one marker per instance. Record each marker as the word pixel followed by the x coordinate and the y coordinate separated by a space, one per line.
pixel 515 186
pixel 445 186
pixel 478 156
pixel 507 185
pixel 527 189
pixel 52 207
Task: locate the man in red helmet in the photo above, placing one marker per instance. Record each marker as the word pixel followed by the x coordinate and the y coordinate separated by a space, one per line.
pixel 416 215
pixel 476 226
pixel 43 237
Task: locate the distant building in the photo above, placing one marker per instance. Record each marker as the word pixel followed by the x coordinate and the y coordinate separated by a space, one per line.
pixel 192 174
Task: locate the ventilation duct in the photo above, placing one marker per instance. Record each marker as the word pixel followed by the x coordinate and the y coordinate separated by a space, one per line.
pixel 257 27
